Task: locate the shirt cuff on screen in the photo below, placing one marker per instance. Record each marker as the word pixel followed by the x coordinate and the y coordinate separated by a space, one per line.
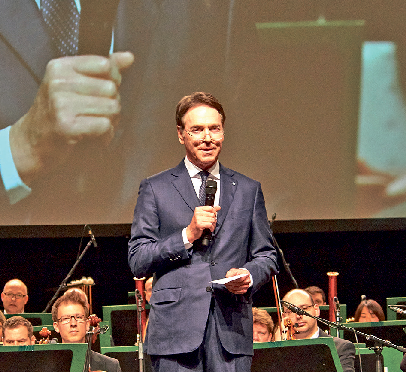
pixel 16 189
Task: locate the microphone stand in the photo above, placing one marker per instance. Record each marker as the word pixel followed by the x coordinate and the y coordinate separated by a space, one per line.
pixel 63 283
pixel 379 343
pixel 285 264
pixel 88 338
pixel 139 333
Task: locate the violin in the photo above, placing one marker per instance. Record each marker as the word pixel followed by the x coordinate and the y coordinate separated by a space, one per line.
pixel 44 333
pixel 290 332
pixel 94 322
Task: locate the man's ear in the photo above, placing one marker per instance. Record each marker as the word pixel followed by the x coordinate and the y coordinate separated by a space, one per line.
pixel 25 299
pixel 56 327
pixel 180 137
pixel 317 309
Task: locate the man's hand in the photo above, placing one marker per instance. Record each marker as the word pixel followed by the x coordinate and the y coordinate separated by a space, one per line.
pixel 240 285
pixel 78 98
pixel 203 218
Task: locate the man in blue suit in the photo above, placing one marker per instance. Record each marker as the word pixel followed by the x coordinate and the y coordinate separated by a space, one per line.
pixel 195 323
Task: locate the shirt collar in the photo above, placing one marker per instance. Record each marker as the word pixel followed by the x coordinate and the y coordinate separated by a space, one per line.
pixel 316 334
pixel 193 170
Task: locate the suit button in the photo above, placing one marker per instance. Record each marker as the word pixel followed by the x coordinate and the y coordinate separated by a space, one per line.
pixel 209 289
pixel 212 263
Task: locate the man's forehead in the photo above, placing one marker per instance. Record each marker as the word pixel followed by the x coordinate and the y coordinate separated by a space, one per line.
pixel 20 331
pixel 69 307
pixel 15 287
pixel 202 112
pixel 299 298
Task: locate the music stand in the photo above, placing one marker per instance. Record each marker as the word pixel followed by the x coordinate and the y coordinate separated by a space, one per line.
pixel 46 357
pixel 316 355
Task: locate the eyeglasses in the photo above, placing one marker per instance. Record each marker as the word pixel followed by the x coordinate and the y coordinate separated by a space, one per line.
pixel 80 318
pixel 215 133
pixel 17 296
pixel 303 307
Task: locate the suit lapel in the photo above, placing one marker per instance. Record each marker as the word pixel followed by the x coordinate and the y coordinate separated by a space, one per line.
pixel 183 184
pixel 23 30
pixel 228 189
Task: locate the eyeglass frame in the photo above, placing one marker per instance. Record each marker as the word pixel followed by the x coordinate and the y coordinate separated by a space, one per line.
pixel 68 318
pixel 18 296
pixel 212 135
pixel 302 307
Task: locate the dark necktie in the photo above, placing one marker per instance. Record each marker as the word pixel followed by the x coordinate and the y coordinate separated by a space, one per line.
pixel 202 191
pixel 62 19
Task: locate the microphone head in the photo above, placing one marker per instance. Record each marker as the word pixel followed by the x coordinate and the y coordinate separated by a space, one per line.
pixel 293 308
pixel 211 187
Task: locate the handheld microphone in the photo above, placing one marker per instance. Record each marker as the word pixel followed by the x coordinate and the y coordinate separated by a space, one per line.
pixel 92 237
pixel 211 188
pixel 97 19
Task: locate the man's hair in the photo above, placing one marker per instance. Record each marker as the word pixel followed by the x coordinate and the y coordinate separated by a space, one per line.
pixel 18 321
pixel 261 316
pixel 313 289
pixel 372 306
pixel 2 319
pixel 72 297
pixel 197 99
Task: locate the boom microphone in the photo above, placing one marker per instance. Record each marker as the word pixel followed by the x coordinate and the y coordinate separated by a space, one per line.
pixel 211 188
pixel 92 237
pixel 295 309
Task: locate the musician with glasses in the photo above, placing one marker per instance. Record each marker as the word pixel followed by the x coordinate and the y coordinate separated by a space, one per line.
pixel 306 327
pixel 70 315
pixel 14 297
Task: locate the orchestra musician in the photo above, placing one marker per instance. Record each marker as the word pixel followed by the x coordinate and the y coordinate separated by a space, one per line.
pixel 263 325
pixel 306 327
pixel 14 296
pixel 70 315
pixel 18 331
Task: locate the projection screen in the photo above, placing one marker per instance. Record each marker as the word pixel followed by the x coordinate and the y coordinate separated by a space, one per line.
pixel 314 101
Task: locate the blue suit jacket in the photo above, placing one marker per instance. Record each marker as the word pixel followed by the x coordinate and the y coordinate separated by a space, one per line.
pixel 180 299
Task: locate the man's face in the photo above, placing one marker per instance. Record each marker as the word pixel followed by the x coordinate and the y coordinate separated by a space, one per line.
pixel 14 297
pixel 367 316
pixel 261 333
pixel 148 289
pixel 202 124
pixel 318 299
pixel 73 330
pixel 304 326
pixel 17 337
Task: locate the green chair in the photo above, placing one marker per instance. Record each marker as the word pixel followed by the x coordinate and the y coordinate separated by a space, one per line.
pixel 122 320
pixel 391 358
pixel 395 301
